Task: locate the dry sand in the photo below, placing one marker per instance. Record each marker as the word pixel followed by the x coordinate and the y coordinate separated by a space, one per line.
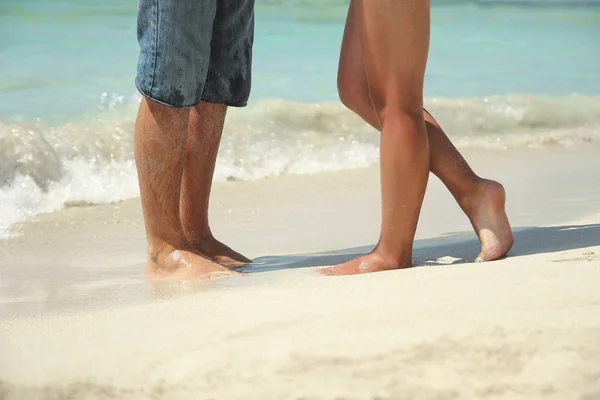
pixel 77 321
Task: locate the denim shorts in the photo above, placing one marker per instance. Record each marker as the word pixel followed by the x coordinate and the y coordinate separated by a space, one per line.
pixel 195 50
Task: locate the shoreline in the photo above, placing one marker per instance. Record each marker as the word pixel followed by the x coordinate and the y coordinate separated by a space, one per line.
pixel 77 319
pixel 286 216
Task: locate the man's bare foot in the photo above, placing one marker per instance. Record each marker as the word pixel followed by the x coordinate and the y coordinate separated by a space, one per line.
pixel 372 262
pixel 486 211
pixel 219 252
pixel 169 262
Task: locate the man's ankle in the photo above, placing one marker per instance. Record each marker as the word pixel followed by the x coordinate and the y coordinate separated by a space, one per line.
pixel 158 247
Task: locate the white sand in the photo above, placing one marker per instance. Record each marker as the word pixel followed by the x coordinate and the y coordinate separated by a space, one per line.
pixel 77 321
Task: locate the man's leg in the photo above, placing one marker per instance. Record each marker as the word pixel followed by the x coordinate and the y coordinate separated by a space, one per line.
pixel 228 83
pixel 204 135
pixel 174 38
pixel 159 152
pixel 481 199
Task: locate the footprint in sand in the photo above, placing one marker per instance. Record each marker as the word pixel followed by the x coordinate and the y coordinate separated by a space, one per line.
pixel 585 256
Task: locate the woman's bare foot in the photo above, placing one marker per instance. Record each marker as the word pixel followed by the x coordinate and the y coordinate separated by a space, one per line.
pixel 485 208
pixel 169 262
pixel 372 262
pixel 220 252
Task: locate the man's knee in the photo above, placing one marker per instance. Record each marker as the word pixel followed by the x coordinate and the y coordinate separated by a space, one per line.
pixel 164 116
pixel 158 107
pixel 211 107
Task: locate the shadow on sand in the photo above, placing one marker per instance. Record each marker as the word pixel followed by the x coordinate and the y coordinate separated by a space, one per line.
pixel 454 248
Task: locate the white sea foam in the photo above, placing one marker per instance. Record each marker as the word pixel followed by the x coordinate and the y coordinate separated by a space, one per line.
pixel 43 167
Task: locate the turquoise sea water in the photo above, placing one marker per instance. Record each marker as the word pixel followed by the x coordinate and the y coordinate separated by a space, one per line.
pixel 59 57
pixel 500 74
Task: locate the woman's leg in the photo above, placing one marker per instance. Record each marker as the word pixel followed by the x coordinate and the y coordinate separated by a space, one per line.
pixel 481 199
pixel 394 42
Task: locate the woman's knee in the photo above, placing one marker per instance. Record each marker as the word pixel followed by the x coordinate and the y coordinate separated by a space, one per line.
pixel 405 102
